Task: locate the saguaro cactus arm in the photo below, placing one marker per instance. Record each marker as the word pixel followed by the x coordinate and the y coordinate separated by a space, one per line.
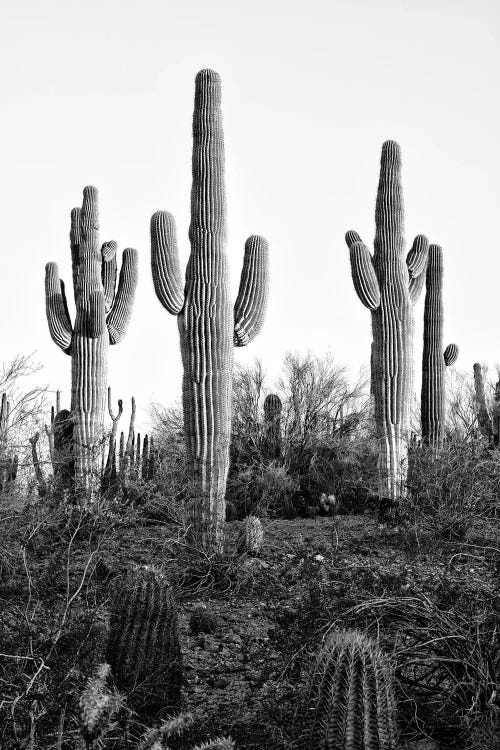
pixel 450 355
pixel 167 277
pixel 108 272
pixel 58 319
pixel 363 273
pixel 250 306
pixel 119 316
pixel 416 261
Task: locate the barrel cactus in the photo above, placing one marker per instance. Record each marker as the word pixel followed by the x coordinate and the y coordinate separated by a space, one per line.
pixel 434 359
pixel 144 650
pixel 202 620
pixel 389 284
pixel 350 703
pixel 102 318
pixel 251 537
pixel 209 328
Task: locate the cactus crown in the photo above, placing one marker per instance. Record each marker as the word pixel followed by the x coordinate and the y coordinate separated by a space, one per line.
pixel 351 701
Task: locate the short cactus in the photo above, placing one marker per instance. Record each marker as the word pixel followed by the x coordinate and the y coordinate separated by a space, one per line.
pixel 209 327
pixel 144 650
pixel 351 703
pixel 102 319
pixel 8 462
pixel 389 284
pixel 486 423
pixel 272 425
pixel 202 620
pixel 252 536
pixel 110 483
pixel 434 360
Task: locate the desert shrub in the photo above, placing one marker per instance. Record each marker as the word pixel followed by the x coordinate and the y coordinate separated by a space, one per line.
pixel 263 490
pixel 447 661
pixel 454 489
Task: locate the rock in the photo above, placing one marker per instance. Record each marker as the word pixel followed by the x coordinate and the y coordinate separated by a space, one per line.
pixel 253 565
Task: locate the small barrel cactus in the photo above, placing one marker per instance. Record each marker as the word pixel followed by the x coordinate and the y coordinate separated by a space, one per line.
pixel 202 620
pixel 252 536
pixel 144 650
pixel 351 700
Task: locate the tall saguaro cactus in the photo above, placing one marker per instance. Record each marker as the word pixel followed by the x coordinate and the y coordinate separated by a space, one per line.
pixel 102 318
pixel 434 359
pixel 388 284
pixel 208 325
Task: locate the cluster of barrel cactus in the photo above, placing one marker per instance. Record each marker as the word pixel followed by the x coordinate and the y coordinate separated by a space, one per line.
pixel 350 703
pixel 209 327
pixel 144 649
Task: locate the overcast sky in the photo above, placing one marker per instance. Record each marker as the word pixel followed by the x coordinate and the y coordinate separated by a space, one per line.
pixel 101 92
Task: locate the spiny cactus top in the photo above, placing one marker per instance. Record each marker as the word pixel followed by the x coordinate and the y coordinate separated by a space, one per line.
pixel 209 327
pixel 388 283
pixel 434 359
pixel 351 704
pixel 102 318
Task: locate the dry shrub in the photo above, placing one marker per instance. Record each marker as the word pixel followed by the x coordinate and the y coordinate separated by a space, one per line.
pixel 263 490
pixel 447 662
pixel 453 491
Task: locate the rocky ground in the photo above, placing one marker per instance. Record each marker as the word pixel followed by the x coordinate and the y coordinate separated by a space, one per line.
pixel 247 678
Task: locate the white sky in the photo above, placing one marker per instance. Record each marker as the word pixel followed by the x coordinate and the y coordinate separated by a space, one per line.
pixel 101 92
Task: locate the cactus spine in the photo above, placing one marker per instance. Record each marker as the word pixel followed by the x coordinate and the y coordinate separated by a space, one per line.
pixel 389 286
pixel 102 319
pixel 351 704
pixel 434 360
pixel 144 650
pixel 272 425
pixel 208 326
